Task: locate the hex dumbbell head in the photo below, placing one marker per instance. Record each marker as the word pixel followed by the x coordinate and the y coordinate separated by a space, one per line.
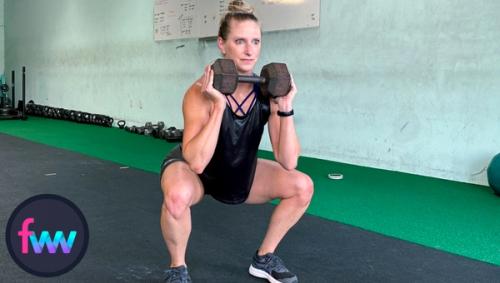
pixel 160 125
pixel 225 76
pixel 278 80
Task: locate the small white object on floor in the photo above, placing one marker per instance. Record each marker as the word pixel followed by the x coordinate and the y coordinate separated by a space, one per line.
pixel 335 176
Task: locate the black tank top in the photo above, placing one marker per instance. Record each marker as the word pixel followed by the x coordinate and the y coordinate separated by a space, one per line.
pixel 229 175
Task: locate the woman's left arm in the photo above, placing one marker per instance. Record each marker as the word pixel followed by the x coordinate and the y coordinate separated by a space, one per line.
pixel 284 140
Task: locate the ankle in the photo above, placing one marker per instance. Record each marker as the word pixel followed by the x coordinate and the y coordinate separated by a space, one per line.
pixel 261 253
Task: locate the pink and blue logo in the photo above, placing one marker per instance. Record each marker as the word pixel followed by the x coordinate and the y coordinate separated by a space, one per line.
pixel 44 239
pixel 47 235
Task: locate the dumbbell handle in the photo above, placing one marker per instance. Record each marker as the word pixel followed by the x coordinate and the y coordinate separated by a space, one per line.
pixel 251 79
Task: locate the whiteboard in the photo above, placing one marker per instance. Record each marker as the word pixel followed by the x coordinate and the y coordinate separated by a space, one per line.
pixel 174 19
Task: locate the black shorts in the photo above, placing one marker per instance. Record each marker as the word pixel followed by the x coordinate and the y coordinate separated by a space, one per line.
pixel 211 185
pixel 176 155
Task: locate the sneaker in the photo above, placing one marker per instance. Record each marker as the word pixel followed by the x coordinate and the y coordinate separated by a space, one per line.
pixel 177 275
pixel 272 268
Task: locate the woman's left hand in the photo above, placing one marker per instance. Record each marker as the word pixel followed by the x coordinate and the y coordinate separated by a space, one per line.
pixel 285 102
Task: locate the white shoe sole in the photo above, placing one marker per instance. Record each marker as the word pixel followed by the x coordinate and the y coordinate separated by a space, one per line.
pixel 261 274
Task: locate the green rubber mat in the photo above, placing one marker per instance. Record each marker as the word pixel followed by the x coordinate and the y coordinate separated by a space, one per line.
pixel 455 217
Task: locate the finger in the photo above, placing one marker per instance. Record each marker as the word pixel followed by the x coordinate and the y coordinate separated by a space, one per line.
pixel 205 77
pixel 210 78
pixel 292 83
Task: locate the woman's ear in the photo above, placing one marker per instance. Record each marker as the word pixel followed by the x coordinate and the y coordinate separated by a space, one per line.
pixel 220 44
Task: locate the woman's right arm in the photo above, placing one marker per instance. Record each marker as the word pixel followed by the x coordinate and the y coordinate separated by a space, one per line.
pixel 203 108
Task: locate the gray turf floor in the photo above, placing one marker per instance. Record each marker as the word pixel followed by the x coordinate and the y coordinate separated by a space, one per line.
pixel 122 209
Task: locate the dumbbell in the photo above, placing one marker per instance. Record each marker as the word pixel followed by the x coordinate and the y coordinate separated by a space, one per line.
pixel 85 117
pixel 58 113
pixel 153 129
pixel 135 130
pixel 101 120
pixel 171 134
pixel 140 130
pixel 274 78
pixel 72 115
pixel 66 114
pixel 165 132
pixel 130 129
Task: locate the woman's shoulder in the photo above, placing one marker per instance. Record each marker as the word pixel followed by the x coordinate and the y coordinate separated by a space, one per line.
pixel 195 95
pixel 194 90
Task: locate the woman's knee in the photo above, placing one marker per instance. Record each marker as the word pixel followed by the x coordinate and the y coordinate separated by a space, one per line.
pixel 305 188
pixel 177 201
pixel 179 191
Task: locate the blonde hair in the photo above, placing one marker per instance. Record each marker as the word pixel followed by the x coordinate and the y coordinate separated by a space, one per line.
pixel 238 10
pixel 239 6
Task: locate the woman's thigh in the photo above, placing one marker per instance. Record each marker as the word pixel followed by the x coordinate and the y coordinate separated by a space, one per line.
pixel 272 181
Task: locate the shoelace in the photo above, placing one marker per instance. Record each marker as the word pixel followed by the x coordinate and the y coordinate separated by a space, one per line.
pixel 275 263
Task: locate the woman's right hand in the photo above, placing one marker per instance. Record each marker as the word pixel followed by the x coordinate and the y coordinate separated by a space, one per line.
pixel 207 88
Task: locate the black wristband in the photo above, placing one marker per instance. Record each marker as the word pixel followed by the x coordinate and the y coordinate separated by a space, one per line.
pixel 285 114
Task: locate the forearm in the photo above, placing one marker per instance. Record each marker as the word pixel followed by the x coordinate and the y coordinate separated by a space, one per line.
pixel 199 151
pixel 288 143
pixel 288 146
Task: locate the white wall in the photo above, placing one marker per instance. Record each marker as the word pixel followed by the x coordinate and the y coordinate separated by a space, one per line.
pixel 404 85
pixel 2 37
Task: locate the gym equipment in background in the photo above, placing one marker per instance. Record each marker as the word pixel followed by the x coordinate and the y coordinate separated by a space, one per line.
pixel 171 134
pixel 8 110
pixel 154 130
pixel 65 114
pixel 494 174
pixel 121 124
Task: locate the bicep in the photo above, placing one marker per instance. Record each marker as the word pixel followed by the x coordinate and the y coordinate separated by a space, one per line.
pixel 195 116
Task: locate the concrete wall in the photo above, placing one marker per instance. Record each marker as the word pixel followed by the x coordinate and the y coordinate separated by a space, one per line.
pixel 409 86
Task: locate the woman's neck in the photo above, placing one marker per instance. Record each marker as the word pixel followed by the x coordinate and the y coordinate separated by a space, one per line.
pixel 242 91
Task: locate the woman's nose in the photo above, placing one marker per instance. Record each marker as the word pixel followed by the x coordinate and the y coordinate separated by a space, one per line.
pixel 248 49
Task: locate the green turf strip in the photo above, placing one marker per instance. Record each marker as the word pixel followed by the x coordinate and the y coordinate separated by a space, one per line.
pixel 459 218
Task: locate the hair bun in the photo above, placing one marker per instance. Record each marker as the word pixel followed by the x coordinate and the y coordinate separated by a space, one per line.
pixel 239 6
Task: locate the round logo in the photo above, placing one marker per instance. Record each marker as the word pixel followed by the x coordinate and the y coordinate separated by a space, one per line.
pixel 47 235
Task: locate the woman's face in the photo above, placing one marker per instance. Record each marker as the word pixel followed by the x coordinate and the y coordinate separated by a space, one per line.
pixel 242 45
